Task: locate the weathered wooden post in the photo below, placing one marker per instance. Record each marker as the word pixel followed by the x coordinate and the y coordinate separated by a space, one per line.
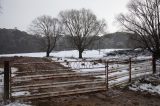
pixel 153 64
pixel 106 74
pixel 130 68
pixel 6 80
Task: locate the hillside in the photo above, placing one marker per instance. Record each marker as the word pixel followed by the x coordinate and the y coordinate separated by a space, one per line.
pixel 119 40
pixel 116 40
pixel 16 41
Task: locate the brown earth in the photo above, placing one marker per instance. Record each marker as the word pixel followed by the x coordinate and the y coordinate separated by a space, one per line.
pixel 116 97
pixel 113 97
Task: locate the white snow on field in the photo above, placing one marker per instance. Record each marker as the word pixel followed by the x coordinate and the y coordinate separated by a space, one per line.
pixel 37 54
pixel 143 57
pixel 80 65
pixel 86 54
pixel 146 87
pixel 13 69
pixel 26 93
pixel 119 80
pixel 16 104
pixel 69 53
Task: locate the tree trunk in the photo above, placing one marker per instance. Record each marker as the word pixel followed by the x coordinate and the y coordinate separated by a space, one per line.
pixel 48 47
pixel 154 63
pixel 80 54
pixel 47 54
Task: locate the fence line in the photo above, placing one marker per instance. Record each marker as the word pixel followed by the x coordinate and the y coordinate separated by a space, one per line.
pixel 133 69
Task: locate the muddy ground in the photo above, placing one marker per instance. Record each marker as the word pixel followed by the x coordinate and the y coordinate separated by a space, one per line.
pixel 113 97
pixel 116 97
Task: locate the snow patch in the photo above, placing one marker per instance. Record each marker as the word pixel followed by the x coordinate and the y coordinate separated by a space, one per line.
pixel 16 104
pixel 69 53
pixel 146 87
pixel 22 93
pixel 13 69
pixel 80 65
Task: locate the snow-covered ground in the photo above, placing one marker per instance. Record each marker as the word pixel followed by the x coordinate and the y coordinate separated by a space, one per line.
pixel 150 84
pixel 80 65
pixel 17 104
pixel 69 53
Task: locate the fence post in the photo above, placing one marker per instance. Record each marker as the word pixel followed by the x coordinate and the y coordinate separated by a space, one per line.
pixel 130 68
pixel 153 64
pixel 6 80
pixel 106 74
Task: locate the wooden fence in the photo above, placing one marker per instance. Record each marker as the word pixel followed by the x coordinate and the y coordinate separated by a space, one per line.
pixel 113 73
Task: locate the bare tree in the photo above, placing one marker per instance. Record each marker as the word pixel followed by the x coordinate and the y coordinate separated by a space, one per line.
pixel 47 27
pixel 143 19
pixel 82 26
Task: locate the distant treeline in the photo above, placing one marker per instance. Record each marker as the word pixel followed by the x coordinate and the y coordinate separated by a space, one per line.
pixel 16 41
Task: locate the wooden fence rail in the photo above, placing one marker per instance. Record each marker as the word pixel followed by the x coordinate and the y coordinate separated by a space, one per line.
pixel 102 79
pixel 61 93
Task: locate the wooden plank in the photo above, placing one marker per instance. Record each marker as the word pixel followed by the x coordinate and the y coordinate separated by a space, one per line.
pixel 26 63
pixel 63 75
pixel 33 71
pixel 55 70
pixel 61 93
pixel 56 85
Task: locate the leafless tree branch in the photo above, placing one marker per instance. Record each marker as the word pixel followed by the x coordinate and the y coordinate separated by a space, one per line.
pixel 47 27
pixel 82 25
pixel 143 19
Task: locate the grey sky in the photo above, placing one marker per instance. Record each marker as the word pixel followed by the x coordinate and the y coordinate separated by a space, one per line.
pixel 20 13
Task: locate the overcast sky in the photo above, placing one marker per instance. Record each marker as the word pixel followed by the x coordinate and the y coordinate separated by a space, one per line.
pixel 20 13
